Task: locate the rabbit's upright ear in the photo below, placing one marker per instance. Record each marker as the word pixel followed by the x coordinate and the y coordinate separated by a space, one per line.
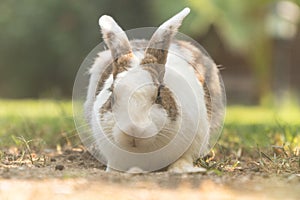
pixel 157 51
pixel 117 42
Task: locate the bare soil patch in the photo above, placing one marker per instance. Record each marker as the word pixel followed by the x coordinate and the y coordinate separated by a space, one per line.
pixel 75 174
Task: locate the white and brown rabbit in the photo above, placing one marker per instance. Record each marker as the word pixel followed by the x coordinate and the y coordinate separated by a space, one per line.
pixel 143 95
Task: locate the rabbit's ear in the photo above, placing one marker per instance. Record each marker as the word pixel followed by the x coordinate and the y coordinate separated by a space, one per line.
pixel 117 42
pixel 157 50
pixel 114 37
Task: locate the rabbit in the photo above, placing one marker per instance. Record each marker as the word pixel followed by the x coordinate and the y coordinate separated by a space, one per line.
pixel 139 101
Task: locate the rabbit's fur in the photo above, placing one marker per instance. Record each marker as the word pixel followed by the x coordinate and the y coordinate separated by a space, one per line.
pixel 119 83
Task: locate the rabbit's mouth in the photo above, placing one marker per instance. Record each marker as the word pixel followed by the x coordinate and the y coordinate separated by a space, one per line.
pixel 126 140
pixel 133 142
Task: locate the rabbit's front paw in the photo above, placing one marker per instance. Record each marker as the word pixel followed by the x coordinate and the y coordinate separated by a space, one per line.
pixel 111 170
pixel 183 166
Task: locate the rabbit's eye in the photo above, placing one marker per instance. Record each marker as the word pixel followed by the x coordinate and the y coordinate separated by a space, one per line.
pixel 110 89
pixel 158 97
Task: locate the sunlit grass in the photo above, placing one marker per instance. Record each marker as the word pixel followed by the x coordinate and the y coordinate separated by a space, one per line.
pixel 52 122
pixel 46 121
pixel 255 126
pixel 244 115
pixel 35 108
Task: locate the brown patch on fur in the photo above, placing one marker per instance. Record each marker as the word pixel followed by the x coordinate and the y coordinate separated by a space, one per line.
pixel 208 102
pixel 107 72
pixel 151 64
pixel 156 53
pixel 200 78
pixel 168 102
pixel 107 107
pixel 160 55
pixel 121 64
pixel 197 63
pixel 159 45
pixel 148 64
pixel 149 59
pixel 202 73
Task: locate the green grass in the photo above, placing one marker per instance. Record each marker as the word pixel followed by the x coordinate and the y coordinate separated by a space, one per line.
pixel 50 123
pixel 262 127
pixel 45 122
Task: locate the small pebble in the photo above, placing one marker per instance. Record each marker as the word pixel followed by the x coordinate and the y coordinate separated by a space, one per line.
pixel 52 159
pixel 72 157
pixel 59 167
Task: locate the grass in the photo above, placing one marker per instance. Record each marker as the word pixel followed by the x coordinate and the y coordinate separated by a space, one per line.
pixel 250 127
pixel 44 122
pixel 269 136
pixel 52 122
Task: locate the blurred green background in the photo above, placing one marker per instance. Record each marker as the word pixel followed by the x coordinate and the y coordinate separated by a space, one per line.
pixel 256 43
pixel 42 43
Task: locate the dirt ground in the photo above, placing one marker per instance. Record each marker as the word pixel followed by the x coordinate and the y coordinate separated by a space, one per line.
pixel 74 174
